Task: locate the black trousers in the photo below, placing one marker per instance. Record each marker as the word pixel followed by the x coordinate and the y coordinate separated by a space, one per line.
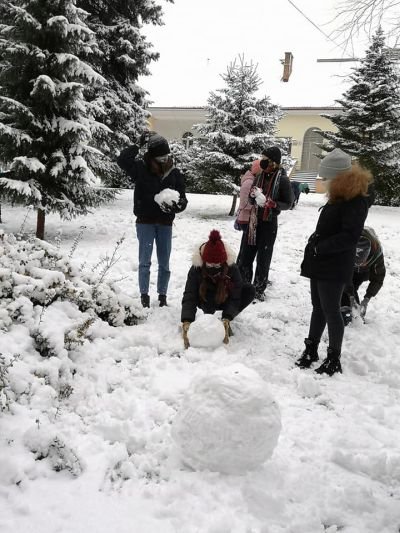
pixel 246 297
pixel 325 298
pixel 265 239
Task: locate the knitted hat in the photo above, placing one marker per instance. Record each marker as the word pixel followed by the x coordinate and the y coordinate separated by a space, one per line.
pixel 274 154
pixel 157 146
pixel 213 251
pixel 333 163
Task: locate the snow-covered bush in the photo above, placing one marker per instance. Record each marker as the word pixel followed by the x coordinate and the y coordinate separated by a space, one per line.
pixel 6 392
pixel 39 284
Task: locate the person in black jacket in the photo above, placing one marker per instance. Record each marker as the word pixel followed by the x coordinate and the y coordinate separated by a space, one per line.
pixel 214 283
pixel 330 253
pixel 369 266
pixel 271 193
pixel 152 174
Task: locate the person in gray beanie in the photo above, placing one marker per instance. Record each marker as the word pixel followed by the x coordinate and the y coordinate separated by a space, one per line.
pixel 333 163
pixel 330 254
pixel 150 175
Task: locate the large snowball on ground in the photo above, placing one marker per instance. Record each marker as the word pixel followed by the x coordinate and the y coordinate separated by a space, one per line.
pixel 167 196
pixel 206 332
pixel 228 422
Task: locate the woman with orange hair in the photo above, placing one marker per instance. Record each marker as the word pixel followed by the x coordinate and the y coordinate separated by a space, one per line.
pixel 330 253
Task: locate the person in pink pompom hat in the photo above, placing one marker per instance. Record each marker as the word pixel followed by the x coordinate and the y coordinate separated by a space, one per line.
pixel 214 283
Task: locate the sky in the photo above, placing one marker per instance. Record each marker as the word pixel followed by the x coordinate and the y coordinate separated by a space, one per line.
pixel 201 38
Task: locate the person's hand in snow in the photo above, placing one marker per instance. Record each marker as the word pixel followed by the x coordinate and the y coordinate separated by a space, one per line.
pixel 363 307
pixel 227 328
pixel 185 329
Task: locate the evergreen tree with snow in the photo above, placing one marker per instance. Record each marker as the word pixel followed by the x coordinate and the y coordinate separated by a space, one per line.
pixel 124 55
pixel 238 127
pixel 45 124
pixel 369 127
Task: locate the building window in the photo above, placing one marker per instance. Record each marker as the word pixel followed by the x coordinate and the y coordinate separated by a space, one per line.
pixel 187 139
pixel 309 157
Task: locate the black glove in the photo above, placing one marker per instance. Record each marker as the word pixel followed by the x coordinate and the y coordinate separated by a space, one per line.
pixel 144 138
pixel 168 208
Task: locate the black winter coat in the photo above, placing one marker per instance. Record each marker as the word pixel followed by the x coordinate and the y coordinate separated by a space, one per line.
pixel 147 185
pixel 331 249
pixel 375 273
pixel 191 296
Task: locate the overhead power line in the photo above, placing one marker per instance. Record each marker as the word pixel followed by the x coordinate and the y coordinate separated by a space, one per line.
pixel 317 27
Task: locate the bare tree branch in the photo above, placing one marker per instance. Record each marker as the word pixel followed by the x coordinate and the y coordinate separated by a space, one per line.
pixel 357 17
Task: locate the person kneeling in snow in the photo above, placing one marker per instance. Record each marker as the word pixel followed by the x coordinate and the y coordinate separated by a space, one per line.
pixel 214 283
pixel 369 266
pixel 159 195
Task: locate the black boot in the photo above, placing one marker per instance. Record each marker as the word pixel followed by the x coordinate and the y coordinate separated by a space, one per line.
pixel 145 299
pixel 331 364
pixel 162 299
pixel 310 354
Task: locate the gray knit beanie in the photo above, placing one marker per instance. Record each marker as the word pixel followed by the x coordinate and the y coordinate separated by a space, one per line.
pixel 333 163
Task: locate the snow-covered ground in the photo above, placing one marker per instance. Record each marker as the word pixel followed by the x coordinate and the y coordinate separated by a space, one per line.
pixel 336 466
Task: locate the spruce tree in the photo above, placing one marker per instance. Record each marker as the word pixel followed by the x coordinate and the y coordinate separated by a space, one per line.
pixel 45 126
pixel 238 127
pixel 369 127
pixel 124 56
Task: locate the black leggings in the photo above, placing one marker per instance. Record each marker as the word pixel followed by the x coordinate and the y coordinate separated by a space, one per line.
pixel 325 299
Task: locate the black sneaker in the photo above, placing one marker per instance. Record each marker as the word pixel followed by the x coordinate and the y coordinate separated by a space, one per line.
pixel 162 300
pixel 145 299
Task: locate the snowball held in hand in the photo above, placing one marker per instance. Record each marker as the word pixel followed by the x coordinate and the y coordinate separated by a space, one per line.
pixel 206 332
pixel 228 422
pixel 167 196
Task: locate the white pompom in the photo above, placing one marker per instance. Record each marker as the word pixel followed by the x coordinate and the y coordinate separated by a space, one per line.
pixel 228 422
pixel 206 332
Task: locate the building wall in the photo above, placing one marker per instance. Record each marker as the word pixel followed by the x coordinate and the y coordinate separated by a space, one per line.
pixel 295 124
pixel 174 122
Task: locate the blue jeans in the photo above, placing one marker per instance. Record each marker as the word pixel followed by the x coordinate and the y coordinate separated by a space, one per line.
pixel 147 234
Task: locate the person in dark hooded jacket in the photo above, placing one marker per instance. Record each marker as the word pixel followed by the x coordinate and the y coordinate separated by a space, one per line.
pixel 369 266
pixel 330 253
pixel 151 175
pixel 214 283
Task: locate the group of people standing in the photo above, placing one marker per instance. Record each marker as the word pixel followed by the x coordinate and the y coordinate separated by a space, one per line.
pixel 216 281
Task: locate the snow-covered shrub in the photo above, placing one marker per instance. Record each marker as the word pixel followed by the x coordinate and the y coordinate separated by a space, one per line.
pixel 41 287
pixel 6 392
pixel 45 444
pixel 35 274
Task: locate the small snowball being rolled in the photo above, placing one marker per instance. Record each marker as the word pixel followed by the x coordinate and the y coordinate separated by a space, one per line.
pixel 206 332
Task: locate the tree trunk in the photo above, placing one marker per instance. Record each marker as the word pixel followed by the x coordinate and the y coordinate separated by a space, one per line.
pixel 233 206
pixel 1 220
pixel 41 216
